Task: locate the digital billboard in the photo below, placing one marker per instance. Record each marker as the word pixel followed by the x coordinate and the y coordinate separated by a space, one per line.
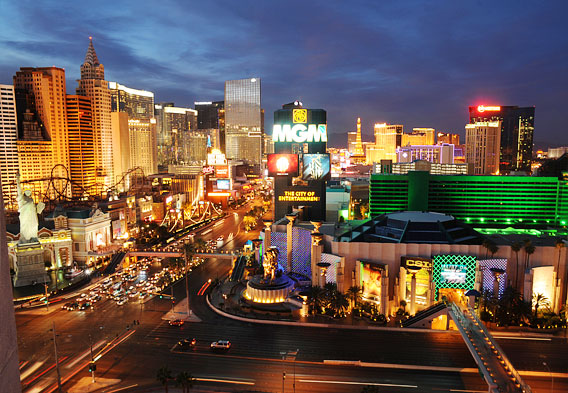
pixel 316 167
pixel 453 272
pixel 282 165
pixel 222 171
pixel 223 184
pixel 371 281
pixel 298 195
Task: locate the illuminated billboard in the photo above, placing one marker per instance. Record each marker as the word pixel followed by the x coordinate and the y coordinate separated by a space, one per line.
pixel 282 165
pixel 298 196
pixel 316 167
pixel 371 281
pixel 223 184
pixel 222 171
pixel 483 108
pixel 453 272
pixel 299 133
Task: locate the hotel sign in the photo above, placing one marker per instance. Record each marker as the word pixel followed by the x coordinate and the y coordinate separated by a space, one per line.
pixel 299 133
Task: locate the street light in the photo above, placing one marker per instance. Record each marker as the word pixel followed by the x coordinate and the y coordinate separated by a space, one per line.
pixel 551 376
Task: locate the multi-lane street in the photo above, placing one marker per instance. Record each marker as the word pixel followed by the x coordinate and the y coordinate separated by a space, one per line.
pixel 134 352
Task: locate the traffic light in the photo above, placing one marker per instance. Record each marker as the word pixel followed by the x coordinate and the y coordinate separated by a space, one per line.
pixel 92 367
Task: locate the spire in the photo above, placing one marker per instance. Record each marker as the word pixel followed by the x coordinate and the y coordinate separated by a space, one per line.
pixel 91 56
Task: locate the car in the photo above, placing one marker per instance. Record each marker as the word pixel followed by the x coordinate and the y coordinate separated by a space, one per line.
pixel 177 322
pixel 121 301
pixel 85 306
pixel 72 306
pixel 221 345
pixel 187 343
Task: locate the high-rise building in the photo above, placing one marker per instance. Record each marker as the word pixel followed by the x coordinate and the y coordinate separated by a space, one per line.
pixel 482 141
pixel 93 85
pixel 8 146
pixel 517 128
pixel 351 141
pixel 387 138
pixel 139 105
pixel 121 142
pixel 443 137
pixel 81 145
pixel 440 154
pixel 419 136
pixel 197 146
pixel 44 90
pixel 173 126
pixel 358 156
pixel 211 118
pixel 243 121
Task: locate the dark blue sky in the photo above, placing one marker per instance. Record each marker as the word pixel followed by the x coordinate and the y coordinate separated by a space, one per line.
pixel 419 63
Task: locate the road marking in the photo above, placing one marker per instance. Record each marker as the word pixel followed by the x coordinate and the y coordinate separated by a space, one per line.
pixel 119 389
pixel 468 391
pixel 225 381
pixel 206 232
pixel 39 387
pixel 524 338
pixel 23 364
pixel 88 351
pixel 30 370
pixel 358 383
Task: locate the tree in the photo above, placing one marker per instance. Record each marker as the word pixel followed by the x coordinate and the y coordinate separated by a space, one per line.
pixel 539 300
pixel 249 221
pixel 354 294
pixel 185 381
pixel 338 303
pixel 529 250
pixel 200 244
pixel 316 298
pixel 559 244
pixel 516 247
pixel 164 375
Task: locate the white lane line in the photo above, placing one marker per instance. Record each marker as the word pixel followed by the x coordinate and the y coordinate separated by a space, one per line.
pixel 524 338
pixel 468 391
pixel 225 381
pixel 30 370
pixel 87 352
pixel 119 389
pixel 206 232
pixel 357 383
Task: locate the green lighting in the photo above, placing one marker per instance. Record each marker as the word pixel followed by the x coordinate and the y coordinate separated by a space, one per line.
pixel 482 219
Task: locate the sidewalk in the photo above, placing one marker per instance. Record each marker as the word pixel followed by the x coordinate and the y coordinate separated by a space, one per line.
pixel 180 312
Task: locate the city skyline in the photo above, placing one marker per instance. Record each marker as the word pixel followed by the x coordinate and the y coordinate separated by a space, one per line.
pixel 383 64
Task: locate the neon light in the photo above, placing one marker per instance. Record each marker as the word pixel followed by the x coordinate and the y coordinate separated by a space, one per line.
pixel 482 108
pixel 220 194
pixel 299 133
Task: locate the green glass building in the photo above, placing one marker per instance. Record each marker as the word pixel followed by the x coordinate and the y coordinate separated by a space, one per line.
pixel 482 201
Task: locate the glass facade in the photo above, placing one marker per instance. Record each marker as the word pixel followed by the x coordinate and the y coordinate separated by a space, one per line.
pixel 243 120
pixel 173 128
pixel 517 128
pixel 498 201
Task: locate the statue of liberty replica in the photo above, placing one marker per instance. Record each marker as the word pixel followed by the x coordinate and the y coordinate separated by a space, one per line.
pixel 30 267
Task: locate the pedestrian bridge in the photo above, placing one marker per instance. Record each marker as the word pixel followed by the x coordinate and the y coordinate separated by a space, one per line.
pixel 493 364
pixel 229 254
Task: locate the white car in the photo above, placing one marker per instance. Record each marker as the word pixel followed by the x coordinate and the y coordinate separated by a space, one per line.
pixel 221 344
pixel 121 301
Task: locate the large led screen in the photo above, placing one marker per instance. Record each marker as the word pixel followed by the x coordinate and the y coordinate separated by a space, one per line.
pixel 316 167
pixel 282 165
pixel 224 184
pixel 371 281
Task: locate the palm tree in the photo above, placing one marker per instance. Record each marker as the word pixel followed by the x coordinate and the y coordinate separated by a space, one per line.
pixel 316 298
pixel 539 300
pixel 516 247
pixel 559 244
pixel 338 303
pixel 354 294
pixel 185 381
pixel 200 244
pixel 529 250
pixel 163 375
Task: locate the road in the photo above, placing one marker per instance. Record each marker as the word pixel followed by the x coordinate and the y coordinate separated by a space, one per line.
pixel 254 362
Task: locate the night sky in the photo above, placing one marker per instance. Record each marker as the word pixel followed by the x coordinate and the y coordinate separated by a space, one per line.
pixel 419 63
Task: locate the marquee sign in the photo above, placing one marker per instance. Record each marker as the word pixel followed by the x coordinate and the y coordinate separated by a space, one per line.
pixel 282 164
pixel 298 196
pixel 423 263
pixel 482 108
pixel 316 167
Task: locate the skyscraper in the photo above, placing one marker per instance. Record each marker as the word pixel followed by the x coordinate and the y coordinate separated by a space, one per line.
pixel 44 90
pixel 93 85
pixel 482 140
pixel 419 136
pixel 139 105
pixel 517 128
pixel 173 126
pixel 387 138
pixel 243 121
pixel 81 145
pixel 8 145
pixel 211 118
pixel 443 137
